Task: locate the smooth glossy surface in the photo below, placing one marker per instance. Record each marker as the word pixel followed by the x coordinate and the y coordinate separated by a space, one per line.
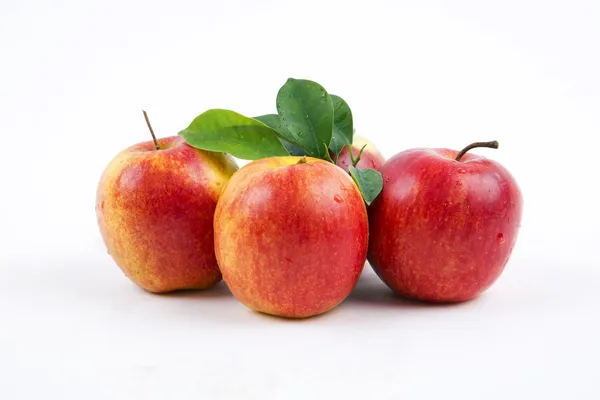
pixel 291 239
pixel 443 230
pixel 155 212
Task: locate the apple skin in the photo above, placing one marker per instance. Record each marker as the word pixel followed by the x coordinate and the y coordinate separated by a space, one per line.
pixel 155 213
pixel 370 158
pixel 291 239
pixel 443 230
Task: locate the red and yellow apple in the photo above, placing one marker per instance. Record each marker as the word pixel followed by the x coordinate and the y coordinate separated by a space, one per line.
pixel 443 230
pixel 370 158
pixel 291 235
pixel 155 211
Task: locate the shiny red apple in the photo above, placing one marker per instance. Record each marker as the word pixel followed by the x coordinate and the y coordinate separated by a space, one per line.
pixel 291 236
pixel 155 206
pixel 445 224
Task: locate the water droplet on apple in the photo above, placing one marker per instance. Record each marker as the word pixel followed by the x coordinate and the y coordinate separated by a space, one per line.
pixel 338 198
pixel 461 171
pixel 458 183
pixel 387 179
pixel 500 238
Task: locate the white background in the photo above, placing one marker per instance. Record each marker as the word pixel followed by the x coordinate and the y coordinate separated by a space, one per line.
pixel 74 76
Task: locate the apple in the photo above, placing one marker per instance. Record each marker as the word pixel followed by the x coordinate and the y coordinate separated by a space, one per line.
pixel 155 205
pixel 445 224
pixel 370 158
pixel 291 236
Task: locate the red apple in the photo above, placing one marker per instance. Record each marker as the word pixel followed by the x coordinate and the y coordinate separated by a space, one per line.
pixel 155 211
pixel 291 235
pixel 443 230
pixel 370 158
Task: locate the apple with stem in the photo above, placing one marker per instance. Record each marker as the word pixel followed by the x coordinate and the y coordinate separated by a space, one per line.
pixel 445 224
pixel 155 205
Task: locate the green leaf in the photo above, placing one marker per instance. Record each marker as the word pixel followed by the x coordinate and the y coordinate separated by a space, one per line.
pixel 229 132
pixel 343 129
pixel 369 182
pixel 285 137
pixel 274 121
pixel 293 148
pixel 306 110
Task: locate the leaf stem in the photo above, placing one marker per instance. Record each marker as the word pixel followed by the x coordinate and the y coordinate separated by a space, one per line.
pixel 492 145
pixel 354 162
pixel 327 156
pixel 151 130
pixel 351 154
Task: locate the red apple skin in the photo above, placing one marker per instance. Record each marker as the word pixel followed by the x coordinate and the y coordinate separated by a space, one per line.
pixel 443 230
pixel 155 212
pixel 291 239
pixel 370 158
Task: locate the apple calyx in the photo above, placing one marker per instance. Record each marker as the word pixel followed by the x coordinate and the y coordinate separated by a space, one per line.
pixel 492 145
pixel 151 130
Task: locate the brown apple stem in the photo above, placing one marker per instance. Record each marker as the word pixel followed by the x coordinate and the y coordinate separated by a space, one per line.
pixel 151 130
pixel 302 160
pixel 492 145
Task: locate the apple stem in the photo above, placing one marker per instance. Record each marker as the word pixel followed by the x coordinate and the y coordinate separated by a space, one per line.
pixel 492 145
pixel 151 130
pixel 302 160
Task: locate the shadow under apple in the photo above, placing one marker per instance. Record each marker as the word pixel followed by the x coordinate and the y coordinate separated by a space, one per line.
pixel 370 290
